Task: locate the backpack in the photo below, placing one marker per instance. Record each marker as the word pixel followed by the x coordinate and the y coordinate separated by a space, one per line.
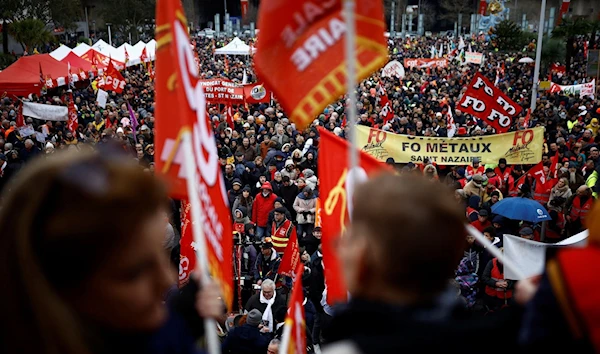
pixel 467 280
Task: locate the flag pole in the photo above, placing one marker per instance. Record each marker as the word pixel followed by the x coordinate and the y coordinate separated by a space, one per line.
pixel 538 58
pixel 495 251
pixel 350 48
pixel 210 329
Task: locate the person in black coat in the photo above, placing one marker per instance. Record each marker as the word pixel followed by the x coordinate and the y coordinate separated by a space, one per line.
pixel 311 242
pixel 248 338
pixel 289 192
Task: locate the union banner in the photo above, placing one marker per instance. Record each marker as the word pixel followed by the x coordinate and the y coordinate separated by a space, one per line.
pixel 300 51
pixel 520 147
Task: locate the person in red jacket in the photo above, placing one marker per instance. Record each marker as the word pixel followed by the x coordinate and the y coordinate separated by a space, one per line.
pixel 482 220
pixel 263 204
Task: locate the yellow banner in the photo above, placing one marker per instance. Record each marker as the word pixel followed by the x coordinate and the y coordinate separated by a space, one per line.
pixel 520 147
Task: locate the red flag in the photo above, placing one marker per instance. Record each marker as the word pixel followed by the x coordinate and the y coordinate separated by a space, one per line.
pixel 293 340
pixel 334 175
pixel 564 8
pixel 527 118
pixel 537 172
pixel 387 113
pixel 486 102
pixel 183 127
pixel 291 256
pixel 187 257
pixel 20 119
pixel 244 7
pixel 144 57
pixel 112 79
pixel 229 116
pixel 482 7
pixel 554 165
pixel 300 56
pixel 257 93
pixel 72 123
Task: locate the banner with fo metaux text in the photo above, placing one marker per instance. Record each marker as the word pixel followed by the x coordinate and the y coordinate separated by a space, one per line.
pixel 520 147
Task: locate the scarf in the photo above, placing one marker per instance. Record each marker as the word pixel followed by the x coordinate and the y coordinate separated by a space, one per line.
pixel 572 178
pixel 2 168
pixel 268 314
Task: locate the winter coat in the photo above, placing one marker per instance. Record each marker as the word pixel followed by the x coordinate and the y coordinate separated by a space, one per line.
pixel 261 208
pixel 288 194
pixel 471 189
pixel 244 219
pixel 305 207
pixel 310 178
pixel 241 202
pixel 249 152
pixel 288 216
pixel 555 195
pixel 278 304
pixel 246 339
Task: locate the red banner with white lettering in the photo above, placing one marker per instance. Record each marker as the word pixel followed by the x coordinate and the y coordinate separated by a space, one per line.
pixel 111 80
pixel 425 63
pixel 300 55
pixel 187 256
pixel 488 103
pixel 72 122
pixel 181 113
pixel 222 91
pixel 291 256
pixel 244 6
pixel 335 174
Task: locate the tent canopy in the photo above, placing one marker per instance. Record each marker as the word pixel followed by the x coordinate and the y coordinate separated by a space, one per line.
pixel 23 77
pixel 61 52
pixel 81 49
pixel 77 62
pixel 100 59
pixel 235 47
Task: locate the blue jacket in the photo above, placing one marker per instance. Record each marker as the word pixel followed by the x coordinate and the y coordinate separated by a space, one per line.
pixel 246 339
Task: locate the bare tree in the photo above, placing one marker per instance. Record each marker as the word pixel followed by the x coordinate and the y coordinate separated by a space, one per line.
pixel 454 7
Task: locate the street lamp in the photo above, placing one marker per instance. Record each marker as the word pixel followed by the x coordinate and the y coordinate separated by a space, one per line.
pixel 109 34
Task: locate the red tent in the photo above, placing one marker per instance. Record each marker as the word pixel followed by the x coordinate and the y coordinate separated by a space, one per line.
pixel 78 63
pixel 23 77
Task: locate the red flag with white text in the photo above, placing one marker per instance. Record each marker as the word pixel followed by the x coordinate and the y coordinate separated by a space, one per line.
pixel 387 113
pixel 72 122
pixel 112 80
pixel 181 111
pixel 334 175
pixel 488 103
pixel 300 55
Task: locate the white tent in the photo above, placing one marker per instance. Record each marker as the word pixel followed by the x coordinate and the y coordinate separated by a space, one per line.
pixel 103 48
pixel 61 52
pixel 151 49
pixel 133 53
pixel 235 47
pixel 81 49
pixel 140 45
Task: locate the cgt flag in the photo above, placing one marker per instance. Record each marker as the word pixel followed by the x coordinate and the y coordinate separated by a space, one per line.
pixel 335 212
pixel 300 55
pixel 485 101
pixel 187 155
pixel 291 256
pixel 112 80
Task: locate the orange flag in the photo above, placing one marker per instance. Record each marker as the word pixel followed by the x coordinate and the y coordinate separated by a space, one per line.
pixel 318 211
pixel 300 55
pixel 334 176
pixel 293 340
pixel 184 135
pixel 291 256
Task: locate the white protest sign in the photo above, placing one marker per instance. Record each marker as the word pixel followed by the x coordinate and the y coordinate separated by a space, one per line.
pixel 26 130
pixel 583 90
pixel 530 256
pixel 474 58
pixel 101 98
pixel 40 137
pixel 45 111
pixel 393 69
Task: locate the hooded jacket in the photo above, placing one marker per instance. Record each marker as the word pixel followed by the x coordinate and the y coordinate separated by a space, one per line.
pixel 262 206
pixel 305 206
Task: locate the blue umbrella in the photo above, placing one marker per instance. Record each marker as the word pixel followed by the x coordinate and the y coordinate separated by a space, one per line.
pixel 518 208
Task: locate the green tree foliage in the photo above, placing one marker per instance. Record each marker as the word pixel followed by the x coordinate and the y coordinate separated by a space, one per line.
pixel 553 50
pixel 30 33
pixel 129 16
pixel 508 36
pixel 569 29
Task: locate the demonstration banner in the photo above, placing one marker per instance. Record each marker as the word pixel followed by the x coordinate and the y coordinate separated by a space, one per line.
pixel 222 91
pixel 393 69
pixel 336 179
pixel 581 90
pixel 474 57
pixel 486 102
pixel 301 54
pixel 45 111
pixel 530 256
pixel 520 147
pixel 256 93
pixel 426 63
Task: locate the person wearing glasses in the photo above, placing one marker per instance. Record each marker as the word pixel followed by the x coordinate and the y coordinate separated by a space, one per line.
pixel 83 265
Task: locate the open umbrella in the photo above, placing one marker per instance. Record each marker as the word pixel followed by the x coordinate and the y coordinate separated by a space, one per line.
pixel 518 208
pixel 526 60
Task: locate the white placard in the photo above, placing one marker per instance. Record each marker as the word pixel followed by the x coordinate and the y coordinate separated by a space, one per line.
pixel 26 130
pixel 393 69
pixel 101 98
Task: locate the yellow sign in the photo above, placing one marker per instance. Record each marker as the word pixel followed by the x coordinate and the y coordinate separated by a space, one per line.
pixel 545 85
pixel 520 147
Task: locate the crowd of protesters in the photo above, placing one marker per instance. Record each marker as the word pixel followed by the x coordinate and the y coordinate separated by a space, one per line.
pixel 272 176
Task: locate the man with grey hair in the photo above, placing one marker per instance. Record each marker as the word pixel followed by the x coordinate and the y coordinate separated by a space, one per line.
pixel 268 302
pixel 273 346
pixel 29 151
